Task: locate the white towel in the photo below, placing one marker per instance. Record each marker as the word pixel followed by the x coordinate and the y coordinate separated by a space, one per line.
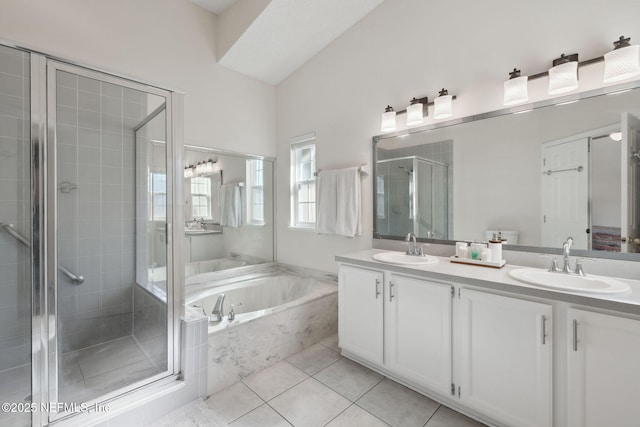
pixel 348 203
pixel 230 205
pixel 326 208
pixel 338 202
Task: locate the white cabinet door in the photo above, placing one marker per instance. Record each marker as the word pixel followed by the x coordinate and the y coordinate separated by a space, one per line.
pixel 603 371
pixel 360 312
pixel 418 331
pixel 505 358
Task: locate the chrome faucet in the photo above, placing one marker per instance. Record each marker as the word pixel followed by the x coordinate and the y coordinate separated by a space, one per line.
pixel 203 225
pixel 411 244
pixel 566 267
pixel 218 310
pixel 566 248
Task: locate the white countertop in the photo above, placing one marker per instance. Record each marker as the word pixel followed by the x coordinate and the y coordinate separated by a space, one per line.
pixel 499 279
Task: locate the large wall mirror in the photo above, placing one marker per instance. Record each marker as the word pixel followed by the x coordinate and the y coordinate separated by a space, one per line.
pixel 228 211
pixel 538 173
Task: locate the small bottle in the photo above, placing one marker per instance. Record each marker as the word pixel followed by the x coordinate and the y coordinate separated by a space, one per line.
pixel 486 255
pixel 495 245
pixel 463 252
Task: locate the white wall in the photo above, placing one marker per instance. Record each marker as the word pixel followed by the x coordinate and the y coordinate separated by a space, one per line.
pixel 168 42
pixel 408 48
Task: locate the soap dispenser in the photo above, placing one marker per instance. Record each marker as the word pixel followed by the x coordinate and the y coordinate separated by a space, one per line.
pixel 495 246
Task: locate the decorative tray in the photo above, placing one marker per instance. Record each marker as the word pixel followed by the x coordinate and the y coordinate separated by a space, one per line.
pixel 470 261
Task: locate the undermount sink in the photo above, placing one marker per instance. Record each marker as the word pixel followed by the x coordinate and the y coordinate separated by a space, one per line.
pixel 403 259
pixel 569 282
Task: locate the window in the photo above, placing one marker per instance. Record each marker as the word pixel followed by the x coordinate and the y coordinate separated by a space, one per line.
pixel 303 182
pixel 158 196
pixel 201 197
pixel 380 196
pixel 255 192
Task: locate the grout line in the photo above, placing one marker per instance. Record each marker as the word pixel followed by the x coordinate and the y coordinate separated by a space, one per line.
pixel 251 410
pixel 340 413
pixel 372 414
pixel 281 415
pixel 434 412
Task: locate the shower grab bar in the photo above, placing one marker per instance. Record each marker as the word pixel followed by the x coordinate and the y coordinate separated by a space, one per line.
pixel 76 280
pixel 13 233
pixel 8 228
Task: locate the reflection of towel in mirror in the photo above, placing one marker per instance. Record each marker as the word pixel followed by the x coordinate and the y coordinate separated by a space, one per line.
pixel 338 201
pixel 230 205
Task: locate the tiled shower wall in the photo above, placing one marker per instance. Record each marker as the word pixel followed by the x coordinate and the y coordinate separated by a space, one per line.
pixel 96 220
pixel 15 279
pixel 441 152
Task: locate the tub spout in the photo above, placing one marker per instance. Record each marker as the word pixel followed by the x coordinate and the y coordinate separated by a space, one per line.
pixel 218 310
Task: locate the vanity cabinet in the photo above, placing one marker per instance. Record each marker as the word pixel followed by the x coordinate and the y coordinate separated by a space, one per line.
pixel 603 382
pixel 360 313
pixel 418 331
pixel 505 358
pixel 416 328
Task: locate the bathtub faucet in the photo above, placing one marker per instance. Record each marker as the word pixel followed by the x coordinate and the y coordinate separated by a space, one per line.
pixel 218 310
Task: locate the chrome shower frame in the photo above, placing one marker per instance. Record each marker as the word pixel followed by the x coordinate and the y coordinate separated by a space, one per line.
pixel 44 355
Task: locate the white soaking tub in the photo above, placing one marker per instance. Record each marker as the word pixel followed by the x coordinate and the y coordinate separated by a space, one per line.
pixel 277 315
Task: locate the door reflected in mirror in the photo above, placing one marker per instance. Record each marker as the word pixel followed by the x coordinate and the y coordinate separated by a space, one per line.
pixel 553 172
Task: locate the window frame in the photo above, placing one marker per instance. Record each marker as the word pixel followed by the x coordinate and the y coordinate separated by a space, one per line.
pixel 253 183
pixel 298 144
pixel 153 215
pixel 192 195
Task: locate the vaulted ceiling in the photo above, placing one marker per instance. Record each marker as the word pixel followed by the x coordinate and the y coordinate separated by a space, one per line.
pixel 270 39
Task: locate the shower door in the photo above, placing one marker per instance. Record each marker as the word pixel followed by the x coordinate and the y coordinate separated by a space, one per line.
pixel 16 262
pixel 108 244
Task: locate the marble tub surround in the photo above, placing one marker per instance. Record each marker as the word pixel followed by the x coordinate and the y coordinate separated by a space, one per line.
pixel 279 311
pixel 500 280
pixel 237 351
pixel 316 387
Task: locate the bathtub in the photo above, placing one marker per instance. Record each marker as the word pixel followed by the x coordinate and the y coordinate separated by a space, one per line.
pixel 277 315
pixel 201 267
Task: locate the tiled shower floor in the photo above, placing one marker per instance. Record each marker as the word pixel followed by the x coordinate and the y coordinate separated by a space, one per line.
pixel 316 387
pixel 99 369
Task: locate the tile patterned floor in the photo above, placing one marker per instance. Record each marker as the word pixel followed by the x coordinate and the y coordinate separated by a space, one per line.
pixel 317 387
pixel 101 368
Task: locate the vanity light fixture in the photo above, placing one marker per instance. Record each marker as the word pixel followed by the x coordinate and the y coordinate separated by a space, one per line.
pixel 204 168
pixel 443 105
pixel 200 167
pixel 623 62
pixel 208 167
pixel 416 111
pixel 516 88
pixel 616 136
pixel 563 76
pixel 388 119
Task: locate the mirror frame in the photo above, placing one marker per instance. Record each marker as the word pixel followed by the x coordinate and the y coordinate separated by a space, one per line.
pixel 273 160
pixel 607 90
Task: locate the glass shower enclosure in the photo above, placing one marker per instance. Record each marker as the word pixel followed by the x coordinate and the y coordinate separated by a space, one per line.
pixel 412 196
pixel 85 210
